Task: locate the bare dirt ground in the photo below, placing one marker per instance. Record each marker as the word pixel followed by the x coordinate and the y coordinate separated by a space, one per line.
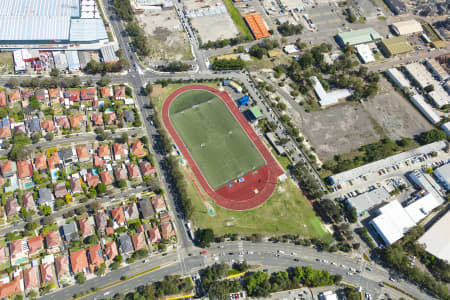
pixel 168 40
pixel 215 27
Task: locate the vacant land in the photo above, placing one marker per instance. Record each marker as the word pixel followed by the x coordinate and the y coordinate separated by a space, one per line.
pixel 216 141
pixel 215 27
pixel 237 19
pixel 6 62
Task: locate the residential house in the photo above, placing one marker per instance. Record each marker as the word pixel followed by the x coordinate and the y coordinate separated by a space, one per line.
pixel 103 152
pixel 14 96
pixel 120 173
pixel 75 185
pixel 106 92
pixel 70 231
pixel 53 240
pixel 68 155
pixel 12 207
pixel 48 125
pixel 5 132
pixel 158 203
pixel 78 260
pixel 109 230
pixel 146 168
pixel 54 94
pixel 118 215
pixel 33 125
pixel 138 241
pixel 2 98
pixel 35 244
pixel 128 116
pixel 24 169
pixel 82 153
pixel 110 118
pixel 137 149
pixel 46 197
pixel 18 250
pixel 98 162
pixel 9 168
pixel 95 255
pixel 119 93
pixel 62 122
pixel 85 227
pixel 131 211
pixel 100 221
pixel 10 288
pixel 154 235
pixel 125 244
pixel 54 161
pixel 47 273
pixel 19 128
pixel 107 178
pixel 97 119
pixel 30 278
pixel 111 250
pixel 41 95
pixel 89 94
pixel 167 230
pixel 62 265
pixel 60 190
pixel 40 163
pixel 119 151
pixel 164 217
pixel 146 207
pixel 75 121
pixel 3 256
pixel 72 95
pixel 26 94
pixel 133 171
pixel 92 180
pixel 28 202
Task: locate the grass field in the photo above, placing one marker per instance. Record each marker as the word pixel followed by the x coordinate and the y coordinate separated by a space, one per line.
pixel 6 62
pixel 237 19
pixel 216 141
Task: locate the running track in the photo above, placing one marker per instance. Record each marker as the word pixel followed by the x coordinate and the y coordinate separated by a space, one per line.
pixel 257 187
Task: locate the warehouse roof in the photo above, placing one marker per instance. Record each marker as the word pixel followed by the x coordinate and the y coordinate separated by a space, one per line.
pixel 34 28
pixel 365 53
pixel 425 108
pixel 365 201
pixel 109 54
pixel 328 98
pixel 84 30
pixel 257 25
pixel 407 27
pixel 398 77
pixel 420 208
pixel 41 8
pixel 362 36
pixel 397 45
pixel 420 74
pixel 72 60
pixel 437 238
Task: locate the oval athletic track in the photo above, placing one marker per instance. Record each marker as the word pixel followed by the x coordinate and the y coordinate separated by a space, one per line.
pixel 257 186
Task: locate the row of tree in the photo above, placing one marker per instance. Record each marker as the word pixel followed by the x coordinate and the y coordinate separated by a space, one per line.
pixel 287 29
pixel 140 40
pixel 260 50
pixel 306 181
pixel 225 42
pixel 228 64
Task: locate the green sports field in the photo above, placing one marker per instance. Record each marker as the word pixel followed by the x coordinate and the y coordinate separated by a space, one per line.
pixel 216 141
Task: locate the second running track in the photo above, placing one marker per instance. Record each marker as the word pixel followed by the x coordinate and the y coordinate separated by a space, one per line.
pixel 255 187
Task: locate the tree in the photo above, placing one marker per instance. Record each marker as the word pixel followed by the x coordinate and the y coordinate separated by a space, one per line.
pixel 32 294
pixel 124 138
pixel 12 83
pixel 287 29
pixel 80 278
pixel 35 137
pixel 204 237
pixel 45 210
pixel 431 136
pixel 148 88
pixel 228 64
pixel 31 226
pixel 122 183
pixel 104 81
pixel 54 72
pixel 101 269
pixel 49 136
pixel 90 240
pixel 101 188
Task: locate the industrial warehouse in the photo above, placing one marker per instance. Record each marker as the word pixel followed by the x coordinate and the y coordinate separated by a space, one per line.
pixel 51 24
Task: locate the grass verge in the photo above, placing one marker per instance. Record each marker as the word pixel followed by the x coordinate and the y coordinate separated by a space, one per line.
pixel 237 19
pixel 6 62
pixel 400 290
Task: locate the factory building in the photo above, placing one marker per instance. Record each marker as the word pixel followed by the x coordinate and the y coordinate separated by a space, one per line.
pixel 406 27
pixel 356 37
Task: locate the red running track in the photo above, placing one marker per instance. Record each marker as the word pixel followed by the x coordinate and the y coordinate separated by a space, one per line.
pixel 257 186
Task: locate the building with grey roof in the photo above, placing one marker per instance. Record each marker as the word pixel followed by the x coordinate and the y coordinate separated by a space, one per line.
pixel 420 74
pixel 60 60
pixel 125 244
pixel 72 60
pixel 443 174
pixel 363 202
pixel 109 54
pixel 70 231
pixel 425 108
pixel 330 97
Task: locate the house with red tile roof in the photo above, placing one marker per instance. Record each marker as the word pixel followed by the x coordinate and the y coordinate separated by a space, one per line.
pixel 98 161
pixel 2 98
pixel 9 168
pixel 75 121
pixel 138 149
pixel 82 153
pixel 41 95
pixel 85 227
pixel 75 185
pixel 26 94
pixel 167 230
pixel 131 211
pixel 138 241
pixel 14 96
pixel 60 190
pixel 111 250
pixel 62 122
pixel 28 202
pixel 47 273
pixel 11 288
pixel 54 161
pixel 40 162
pixel 3 257
pixel 103 151
pixel 89 93
pixel 78 261
pixel 54 94
pixel 18 251
pixel 119 151
pixel 92 180
pixel 48 125
pixel 95 255
pixel 24 169
pixel 119 93
pixel 154 235
pixel 5 132
pixel 158 203
pixel 120 173
pixel 107 178
pixel 146 168
pixel 100 221
pixel 62 265
pixel 12 207
pixel 106 92
pixel 133 171
pixel 53 240
pixel 109 230
pixel 164 219
pixel 19 128
pixel 118 215
pixel 97 119
pixel 35 244
pixel 110 118
pixel 72 95
pixel 30 278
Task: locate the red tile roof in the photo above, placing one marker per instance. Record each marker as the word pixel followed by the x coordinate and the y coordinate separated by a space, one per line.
pixel 6 166
pixel 155 236
pixel 63 122
pixel 10 288
pixel 95 255
pixel 88 94
pixel 97 119
pixel 98 162
pixel 62 264
pixel 137 149
pixel 118 149
pixel 47 274
pixel 53 160
pixel 120 173
pixel 106 177
pixel 5 132
pixel 72 95
pixel 109 230
pixel 16 248
pixel 60 190
pixel 82 152
pixel 111 250
pixel 28 201
pixel 106 91
pixel 119 92
pixel 35 244
pixel 158 203
pixel 118 215
pixel 110 118
pixel 75 121
pixel 48 125
pixel 52 239
pixel 14 96
pixel 2 98
pixel 167 230
pixel 146 168
pixel 133 171
pixel 3 257
pixel 164 219
pixel 85 227
pixel 78 260
pixel 40 162
pixel 12 207
pixel 92 180
pixel 30 278
pixel 24 169
pixel 53 93
pixel 138 241
pixel 75 185
pixel 103 150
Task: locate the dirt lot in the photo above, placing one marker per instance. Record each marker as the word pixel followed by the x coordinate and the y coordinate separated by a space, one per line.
pixel 215 27
pixel 168 39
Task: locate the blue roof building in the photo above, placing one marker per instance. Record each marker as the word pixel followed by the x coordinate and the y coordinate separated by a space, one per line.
pixel 243 101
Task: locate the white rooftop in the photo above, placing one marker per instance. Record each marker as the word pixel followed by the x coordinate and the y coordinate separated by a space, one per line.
pixel 291 48
pixel 365 53
pixel 446 128
pixel 398 77
pixel 425 108
pixel 420 208
pixel 328 98
pixel 444 171
pixel 439 96
pixel 368 200
pixel 420 74
pixel 407 27
pixel 437 238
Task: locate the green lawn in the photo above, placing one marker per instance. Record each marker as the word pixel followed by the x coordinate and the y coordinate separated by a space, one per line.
pixel 237 19
pixel 218 144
